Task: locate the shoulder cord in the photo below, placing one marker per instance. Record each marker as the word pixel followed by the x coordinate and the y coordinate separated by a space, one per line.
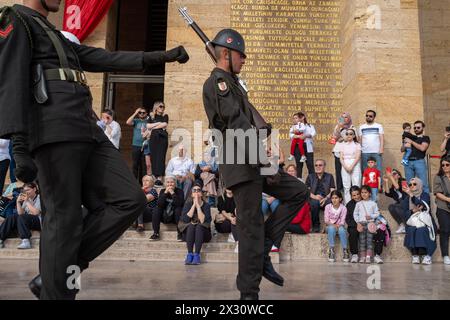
pixel 25 24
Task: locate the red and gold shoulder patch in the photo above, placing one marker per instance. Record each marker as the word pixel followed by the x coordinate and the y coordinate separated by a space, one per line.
pixel 4 33
pixel 222 86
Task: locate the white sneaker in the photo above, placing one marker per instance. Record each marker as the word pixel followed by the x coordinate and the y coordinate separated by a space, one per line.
pixel 25 244
pixel 377 259
pixel 231 238
pixel 354 258
pixel 446 260
pixel 401 229
pixel 415 260
pixel 427 260
pixel 236 249
pixel 303 159
pixel 291 157
pixel 274 249
pixel 368 259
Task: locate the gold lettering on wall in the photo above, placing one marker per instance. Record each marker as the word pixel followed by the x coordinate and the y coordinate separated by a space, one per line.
pixel 293 61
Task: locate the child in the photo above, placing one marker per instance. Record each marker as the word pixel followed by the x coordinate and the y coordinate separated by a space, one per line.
pixel 353 233
pixel 406 134
pixel 297 129
pixel 372 177
pixel 334 215
pixel 365 214
pixel 381 238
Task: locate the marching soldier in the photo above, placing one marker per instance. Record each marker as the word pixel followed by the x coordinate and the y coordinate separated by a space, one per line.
pixel 46 110
pixel 227 107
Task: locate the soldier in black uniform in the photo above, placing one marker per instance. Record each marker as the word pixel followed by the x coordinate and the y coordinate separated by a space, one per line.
pixel 46 110
pixel 226 105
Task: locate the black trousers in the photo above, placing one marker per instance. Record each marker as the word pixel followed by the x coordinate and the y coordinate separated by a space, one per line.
pixel 295 228
pixel 197 235
pixel 146 216
pixel 157 216
pixel 353 239
pixel 444 230
pixel 338 168
pixel 309 160
pixel 252 231
pixel 378 242
pixel 397 212
pixel 139 167
pixel 19 224
pixel 227 227
pixel 4 165
pixel 91 174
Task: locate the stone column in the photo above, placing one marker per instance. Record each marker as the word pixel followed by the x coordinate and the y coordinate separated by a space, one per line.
pixel 382 66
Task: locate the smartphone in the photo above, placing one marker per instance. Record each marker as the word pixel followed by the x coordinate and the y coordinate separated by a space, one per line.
pixel 447 129
pixel 389 170
pixel 404 184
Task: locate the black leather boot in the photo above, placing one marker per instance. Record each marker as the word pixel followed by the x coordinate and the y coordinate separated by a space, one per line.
pixel 35 286
pixel 249 296
pixel 268 270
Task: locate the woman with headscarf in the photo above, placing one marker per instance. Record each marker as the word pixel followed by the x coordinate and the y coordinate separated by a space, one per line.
pixel 420 235
pixel 338 136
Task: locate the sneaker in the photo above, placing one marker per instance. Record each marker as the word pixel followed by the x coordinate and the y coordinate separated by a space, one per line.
pixel 189 258
pixel 331 255
pixel 274 249
pixel 196 259
pixel 446 258
pixel 303 159
pixel 415 260
pixel 404 162
pixel 236 249
pixel 401 229
pixel 368 259
pixel 362 259
pixel 179 237
pixel 140 229
pixel 354 258
pixel 231 238
pixel 155 237
pixel 427 260
pixel 377 259
pixel 291 157
pixel 2 244
pixel 25 244
pixel 346 256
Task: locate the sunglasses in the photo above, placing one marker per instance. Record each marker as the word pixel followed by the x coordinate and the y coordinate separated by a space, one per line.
pixel 417 128
pixel 162 107
pixel 412 184
pixel 318 165
pixel 445 165
pixel 196 190
pixel 142 112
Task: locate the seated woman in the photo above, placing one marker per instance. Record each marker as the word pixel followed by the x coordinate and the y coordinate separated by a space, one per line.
pixel 420 240
pixel 225 220
pixel 397 209
pixel 152 199
pixel 27 219
pixel 195 224
pixel 168 208
pixel 207 170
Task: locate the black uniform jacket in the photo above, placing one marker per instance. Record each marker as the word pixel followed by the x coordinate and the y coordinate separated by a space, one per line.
pixel 226 109
pixel 67 115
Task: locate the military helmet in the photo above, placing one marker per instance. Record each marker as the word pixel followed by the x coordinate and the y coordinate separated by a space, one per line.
pixel 231 39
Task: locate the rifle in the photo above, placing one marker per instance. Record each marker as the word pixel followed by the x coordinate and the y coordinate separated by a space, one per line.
pixel 260 123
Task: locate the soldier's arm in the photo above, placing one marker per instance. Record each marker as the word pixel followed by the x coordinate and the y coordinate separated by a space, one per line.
pixel 15 66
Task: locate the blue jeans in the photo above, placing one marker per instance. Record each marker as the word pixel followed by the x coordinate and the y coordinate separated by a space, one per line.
pixel 331 233
pixel 366 156
pixel 265 206
pixel 417 168
pixel 374 194
pixel 406 154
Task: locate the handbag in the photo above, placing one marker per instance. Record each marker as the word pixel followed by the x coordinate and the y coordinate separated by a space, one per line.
pixel 371 225
pixel 168 213
pixel 422 219
pixel 444 188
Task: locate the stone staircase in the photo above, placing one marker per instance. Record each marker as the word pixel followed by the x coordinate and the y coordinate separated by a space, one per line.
pixel 136 246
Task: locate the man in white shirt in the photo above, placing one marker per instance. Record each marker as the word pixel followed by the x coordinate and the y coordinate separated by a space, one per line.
pixel 112 128
pixel 371 138
pixel 183 168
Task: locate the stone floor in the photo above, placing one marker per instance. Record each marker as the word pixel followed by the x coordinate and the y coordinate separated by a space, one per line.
pixel 175 281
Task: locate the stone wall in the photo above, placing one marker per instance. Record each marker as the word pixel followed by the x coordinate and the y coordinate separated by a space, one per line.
pixel 382 66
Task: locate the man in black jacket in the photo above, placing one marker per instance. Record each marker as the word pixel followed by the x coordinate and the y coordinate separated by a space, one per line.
pixel 46 110
pixel 227 107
